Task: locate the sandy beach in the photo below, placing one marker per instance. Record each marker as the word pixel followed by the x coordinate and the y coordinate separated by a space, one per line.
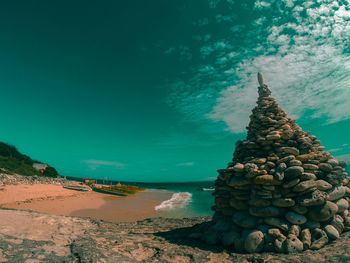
pixel 56 200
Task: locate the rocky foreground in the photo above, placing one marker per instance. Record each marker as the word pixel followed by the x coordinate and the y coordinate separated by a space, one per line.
pixel 34 237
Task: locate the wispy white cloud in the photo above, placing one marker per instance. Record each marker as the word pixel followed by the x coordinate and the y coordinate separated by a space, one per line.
pixel 343 147
pixel 289 3
pixel 214 3
pixel 170 50
pixel 344 157
pixel 262 4
pixel 201 22
pixel 220 45
pixel 204 37
pixel 308 69
pixel 183 52
pixel 308 78
pixel 185 164
pixel 224 18
pixel 303 57
pixel 94 164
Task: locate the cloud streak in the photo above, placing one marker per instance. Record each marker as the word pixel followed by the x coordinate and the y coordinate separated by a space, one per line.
pixel 343 147
pixel 344 157
pixel 95 164
pixel 185 164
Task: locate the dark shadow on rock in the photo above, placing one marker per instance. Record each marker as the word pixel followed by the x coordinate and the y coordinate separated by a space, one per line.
pixel 181 236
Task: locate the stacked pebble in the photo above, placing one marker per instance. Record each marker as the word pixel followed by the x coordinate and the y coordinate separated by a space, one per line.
pixel 282 192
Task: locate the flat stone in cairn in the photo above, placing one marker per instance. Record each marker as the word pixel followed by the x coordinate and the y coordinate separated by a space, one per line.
pixel 282 192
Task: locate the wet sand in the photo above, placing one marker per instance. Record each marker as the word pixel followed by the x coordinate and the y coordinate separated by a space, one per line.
pixel 54 199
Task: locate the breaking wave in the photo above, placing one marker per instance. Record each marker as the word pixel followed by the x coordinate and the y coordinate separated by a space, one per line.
pixel 178 200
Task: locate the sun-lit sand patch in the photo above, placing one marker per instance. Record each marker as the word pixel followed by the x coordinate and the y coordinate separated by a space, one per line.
pixel 21 192
pixel 54 199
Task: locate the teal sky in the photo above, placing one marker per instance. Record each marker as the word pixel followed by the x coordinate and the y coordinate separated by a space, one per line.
pixel 161 90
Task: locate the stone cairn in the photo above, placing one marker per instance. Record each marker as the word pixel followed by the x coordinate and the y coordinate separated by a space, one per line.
pixel 282 192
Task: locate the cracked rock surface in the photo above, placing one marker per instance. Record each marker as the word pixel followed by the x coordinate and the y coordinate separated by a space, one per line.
pixel 33 237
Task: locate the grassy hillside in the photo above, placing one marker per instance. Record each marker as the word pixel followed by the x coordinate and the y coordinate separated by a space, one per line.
pixel 14 161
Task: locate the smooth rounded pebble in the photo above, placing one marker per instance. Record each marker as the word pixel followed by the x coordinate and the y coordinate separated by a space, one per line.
pixel 320 239
pixel 293 244
pixel 254 242
pixel 277 222
pixel 295 218
pixel 331 232
pixel 290 150
pixel 305 237
pixel 343 205
pixel 337 193
pixel 323 185
pixel 305 185
pixel 324 212
pixel 293 172
pixel 238 167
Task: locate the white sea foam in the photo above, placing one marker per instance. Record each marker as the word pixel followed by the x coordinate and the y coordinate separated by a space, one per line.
pixel 208 189
pixel 177 200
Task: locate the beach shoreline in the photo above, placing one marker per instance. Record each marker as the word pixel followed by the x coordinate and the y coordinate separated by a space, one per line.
pixel 53 199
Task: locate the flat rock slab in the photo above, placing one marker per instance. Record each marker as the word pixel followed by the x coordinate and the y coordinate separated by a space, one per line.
pixel 34 237
pixel 29 235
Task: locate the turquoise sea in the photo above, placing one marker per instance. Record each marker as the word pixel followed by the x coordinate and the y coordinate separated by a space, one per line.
pixel 188 199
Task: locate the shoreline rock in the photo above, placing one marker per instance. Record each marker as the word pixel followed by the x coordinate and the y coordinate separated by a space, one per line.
pixel 13 179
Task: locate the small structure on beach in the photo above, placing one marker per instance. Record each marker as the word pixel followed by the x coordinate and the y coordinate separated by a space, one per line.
pixel 89 181
pixel 40 167
pixel 282 192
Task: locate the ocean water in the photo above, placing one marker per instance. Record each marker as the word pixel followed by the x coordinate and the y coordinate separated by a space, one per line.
pixel 188 199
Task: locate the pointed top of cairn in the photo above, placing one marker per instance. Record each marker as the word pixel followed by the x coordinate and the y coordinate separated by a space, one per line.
pixel 263 89
pixel 282 192
pixel 260 79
